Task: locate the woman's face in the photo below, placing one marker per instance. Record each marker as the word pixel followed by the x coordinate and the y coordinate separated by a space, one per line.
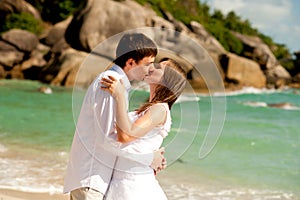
pixel 156 73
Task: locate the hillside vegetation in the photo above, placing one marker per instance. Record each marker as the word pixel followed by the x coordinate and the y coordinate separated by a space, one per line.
pixel 218 24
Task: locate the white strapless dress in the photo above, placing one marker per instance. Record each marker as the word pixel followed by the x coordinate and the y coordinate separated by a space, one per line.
pixel 132 180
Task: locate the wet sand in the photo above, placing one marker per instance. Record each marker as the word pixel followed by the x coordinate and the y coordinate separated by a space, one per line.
pixel 6 194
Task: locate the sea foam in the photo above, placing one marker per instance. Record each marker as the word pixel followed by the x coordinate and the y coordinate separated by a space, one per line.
pixel 3 148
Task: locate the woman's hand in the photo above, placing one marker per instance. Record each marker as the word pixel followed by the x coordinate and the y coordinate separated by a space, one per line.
pixel 113 86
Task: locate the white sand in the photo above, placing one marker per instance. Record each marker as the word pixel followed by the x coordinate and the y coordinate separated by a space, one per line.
pixel 6 194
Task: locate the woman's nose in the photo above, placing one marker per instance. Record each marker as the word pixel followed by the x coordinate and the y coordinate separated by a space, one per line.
pixel 157 65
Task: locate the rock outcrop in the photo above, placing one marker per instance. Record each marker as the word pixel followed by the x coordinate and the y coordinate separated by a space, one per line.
pixel 16 47
pixel 100 19
pixel 57 56
pixel 256 50
pixel 8 7
pixel 243 71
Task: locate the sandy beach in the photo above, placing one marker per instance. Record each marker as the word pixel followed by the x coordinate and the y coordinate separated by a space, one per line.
pixel 6 194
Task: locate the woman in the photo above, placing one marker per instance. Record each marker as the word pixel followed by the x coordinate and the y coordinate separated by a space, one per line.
pixel 144 130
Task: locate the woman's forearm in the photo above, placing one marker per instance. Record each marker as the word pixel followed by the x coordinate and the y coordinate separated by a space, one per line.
pixel 128 131
pixel 123 122
pixel 123 137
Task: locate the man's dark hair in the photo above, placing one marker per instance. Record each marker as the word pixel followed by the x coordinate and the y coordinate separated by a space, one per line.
pixel 135 46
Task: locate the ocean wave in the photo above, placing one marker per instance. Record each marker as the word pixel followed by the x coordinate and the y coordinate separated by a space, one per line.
pixel 187 98
pixel 3 148
pixel 248 90
pixel 189 191
pixel 282 105
pixel 31 175
pixel 244 90
pixel 63 154
pixel 51 189
pixel 256 104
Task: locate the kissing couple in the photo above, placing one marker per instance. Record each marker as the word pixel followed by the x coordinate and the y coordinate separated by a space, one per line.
pixel 116 154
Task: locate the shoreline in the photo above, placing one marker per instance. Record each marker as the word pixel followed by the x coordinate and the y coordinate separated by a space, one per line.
pixel 177 184
pixel 10 194
pixel 194 89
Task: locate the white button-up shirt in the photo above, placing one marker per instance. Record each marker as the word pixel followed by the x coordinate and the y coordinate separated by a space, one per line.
pixel 94 149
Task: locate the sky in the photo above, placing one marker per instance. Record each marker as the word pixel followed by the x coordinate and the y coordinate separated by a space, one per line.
pixel 278 19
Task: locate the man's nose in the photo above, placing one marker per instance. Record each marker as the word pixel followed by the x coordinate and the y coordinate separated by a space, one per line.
pixel 151 68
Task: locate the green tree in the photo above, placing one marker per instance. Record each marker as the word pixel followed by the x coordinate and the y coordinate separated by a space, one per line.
pixel 281 52
pixel 24 21
pixel 218 15
pixel 225 37
pixel 219 25
pixel 54 11
pixel 57 10
pixel 231 21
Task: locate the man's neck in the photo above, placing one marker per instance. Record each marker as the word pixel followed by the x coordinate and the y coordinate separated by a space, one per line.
pixel 126 69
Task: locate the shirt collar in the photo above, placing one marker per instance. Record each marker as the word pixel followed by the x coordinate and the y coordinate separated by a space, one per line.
pixel 125 79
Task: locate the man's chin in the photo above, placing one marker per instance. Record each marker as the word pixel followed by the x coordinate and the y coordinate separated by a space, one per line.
pixel 146 79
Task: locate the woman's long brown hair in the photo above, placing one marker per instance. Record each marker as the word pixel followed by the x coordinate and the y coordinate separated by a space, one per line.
pixel 172 84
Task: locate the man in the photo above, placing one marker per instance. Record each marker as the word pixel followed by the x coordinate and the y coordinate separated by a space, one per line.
pixel 94 150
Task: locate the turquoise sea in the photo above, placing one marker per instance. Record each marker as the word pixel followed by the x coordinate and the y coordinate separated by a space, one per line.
pixel 257 155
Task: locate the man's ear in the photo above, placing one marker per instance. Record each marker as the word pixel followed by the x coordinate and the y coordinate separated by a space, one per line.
pixel 129 62
pixel 128 65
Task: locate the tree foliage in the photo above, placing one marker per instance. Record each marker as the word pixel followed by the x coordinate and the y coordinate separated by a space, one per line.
pixel 224 36
pixel 217 23
pixel 24 21
pixel 54 11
